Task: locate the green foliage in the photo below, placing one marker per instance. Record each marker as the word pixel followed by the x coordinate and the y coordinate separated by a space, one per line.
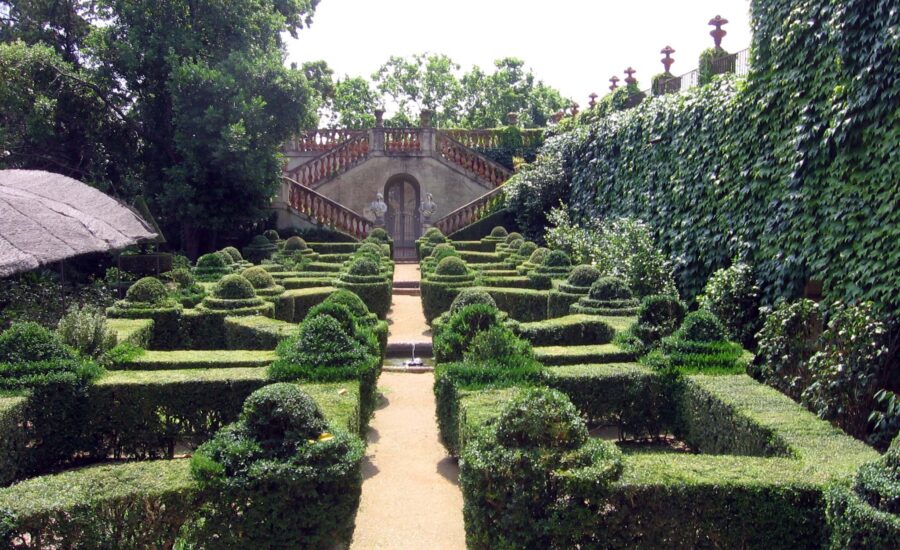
pixel 659 316
pixel 851 366
pixel 277 477
pixel 556 258
pixel 538 460
pixel 270 234
pixel 380 235
pixel 321 352
pixel 29 341
pixel 181 277
pixel 610 288
pixel 498 345
pixel 583 276
pixel 457 333
pixel 702 326
pixel 468 297
pixel 700 345
pixel 149 291
pixel 571 330
pixel 85 329
pixel 788 339
pixel 213 260
pixel 233 253
pixel 443 250
pixel 294 244
pixel 260 248
pixel 258 277
pixel 234 287
pixel 731 294
pixel 527 249
pixel 41 296
pixel 349 300
pixel 499 232
pixel 451 265
pixel 363 267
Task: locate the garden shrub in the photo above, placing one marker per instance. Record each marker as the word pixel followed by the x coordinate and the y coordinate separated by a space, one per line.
pixel 260 248
pixel 278 477
pixel 294 244
pixel 700 345
pixel 363 267
pixel 510 237
pixel 149 291
pixel 453 266
pixel 272 235
pixel 850 368
pixel 575 330
pixel 538 460
pixel 233 253
pixel 788 339
pixel 526 250
pixel 554 265
pixel 258 277
pixel 380 235
pixel 351 301
pixel 461 327
pixel 29 341
pixel 149 299
pixel 211 266
pixel 468 297
pixel 607 296
pixel 350 323
pixel 583 276
pixel 498 345
pixel 234 287
pixel 731 294
pixel 85 329
pixel 440 288
pixel 659 316
pixel 370 249
pixel 365 279
pixel 181 277
pixel 499 232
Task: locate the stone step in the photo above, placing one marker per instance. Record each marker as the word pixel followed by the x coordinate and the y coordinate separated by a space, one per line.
pixel 406 284
pixel 404 350
pixel 407 291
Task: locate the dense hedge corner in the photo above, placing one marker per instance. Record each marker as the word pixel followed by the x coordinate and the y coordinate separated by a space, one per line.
pixel 538 461
pixel 279 477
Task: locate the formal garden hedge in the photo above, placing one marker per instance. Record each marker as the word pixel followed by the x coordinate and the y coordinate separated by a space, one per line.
pixel 161 377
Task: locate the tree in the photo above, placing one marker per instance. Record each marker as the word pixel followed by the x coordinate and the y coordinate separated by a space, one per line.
pixel 61 24
pixel 423 81
pixel 354 103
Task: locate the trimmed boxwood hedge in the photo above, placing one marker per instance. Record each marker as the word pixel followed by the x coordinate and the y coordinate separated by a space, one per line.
pixel 569 330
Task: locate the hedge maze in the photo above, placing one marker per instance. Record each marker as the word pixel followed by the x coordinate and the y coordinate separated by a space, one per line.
pixel 701 455
pixel 231 410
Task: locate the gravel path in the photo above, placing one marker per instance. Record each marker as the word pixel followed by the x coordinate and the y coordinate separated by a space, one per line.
pixel 410 495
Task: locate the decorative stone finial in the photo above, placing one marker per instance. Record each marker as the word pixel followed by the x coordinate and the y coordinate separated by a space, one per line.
pixel 667 60
pixel 379 118
pixel 574 108
pixel 425 118
pixel 557 116
pixel 630 79
pixel 615 83
pixel 718 34
pixel 593 100
pixel 512 118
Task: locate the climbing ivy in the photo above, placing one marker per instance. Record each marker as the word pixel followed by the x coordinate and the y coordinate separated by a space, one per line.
pixel 797 164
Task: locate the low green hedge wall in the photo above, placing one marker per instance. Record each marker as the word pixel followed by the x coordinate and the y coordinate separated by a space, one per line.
pixel 437 297
pixel 257 332
pixel 293 305
pixel 479 257
pixel 568 330
pixel 334 248
pixel 506 282
pixel 560 303
pixel 199 359
pixel 13 440
pixel 521 304
pixel 483 227
pixel 475 246
pixel 292 283
pixel 376 295
pixel 855 523
pixel 576 355
pixel 132 505
pixel 167 330
pixel 138 332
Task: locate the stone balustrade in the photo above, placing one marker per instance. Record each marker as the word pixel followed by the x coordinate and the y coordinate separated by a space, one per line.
pixel 470 213
pixel 321 140
pixel 402 140
pixel 464 157
pixel 339 159
pixel 322 210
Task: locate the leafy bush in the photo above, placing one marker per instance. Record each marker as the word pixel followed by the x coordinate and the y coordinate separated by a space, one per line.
pixel 277 477
pixel 659 316
pixel 351 301
pixel 702 326
pixel 468 297
pixel 370 249
pixel 527 249
pixel 510 237
pixel 451 266
pixel 788 339
pixel 41 297
pixel 321 352
pixel 233 253
pixel 259 249
pixel 610 288
pixel 258 277
pixel 732 295
pixel 213 261
pixel 850 368
pixel 498 345
pixel 457 333
pixel 499 232
pixel 271 235
pixel 148 290
pixel 537 257
pixel 380 235
pixel 234 287
pixel 181 277
pixel 583 276
pixel 538 460
pixel 436 237
pixel 363 267
pixel 294 244
pixel 85 329
pixel 556 258
pixel 29 341
pixel 700 345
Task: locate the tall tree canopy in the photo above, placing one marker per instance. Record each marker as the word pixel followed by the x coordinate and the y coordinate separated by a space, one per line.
pixel 197 92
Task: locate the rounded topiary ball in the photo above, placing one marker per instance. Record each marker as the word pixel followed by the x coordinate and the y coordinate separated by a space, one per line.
pixel 537 257
pixel 271 235
pixel 350 300
pixel 233 253
pixel 258 277
pixel 29 341
pixel 610 288
pixel 234 287
pixel 437 238
pixel 148 290
pixel 510 237
pixel 282 412
pixel 661 310
pixel 451 266
pixel 702 326
pixel 583 276
pixel 470 296
pixel 211 261
pixel 363 267
pixel 182 277
pixel 541 418
pixel 338 312
pixel 556 258
pixel 380 234
pixel 527 249
pixel 293 244
pixel 498 232
pixel 371 249
pixel 443 250
pixel 260 241
pixel 514 245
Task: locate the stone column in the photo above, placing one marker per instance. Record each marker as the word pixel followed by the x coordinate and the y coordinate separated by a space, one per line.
pixel 376 134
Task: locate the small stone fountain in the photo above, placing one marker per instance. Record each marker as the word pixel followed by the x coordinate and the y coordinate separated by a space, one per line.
pixel 414 361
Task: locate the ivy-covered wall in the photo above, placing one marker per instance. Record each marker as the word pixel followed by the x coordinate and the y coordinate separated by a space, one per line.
pixel 797 166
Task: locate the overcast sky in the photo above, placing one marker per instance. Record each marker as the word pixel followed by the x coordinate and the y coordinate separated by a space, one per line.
pixel 573 45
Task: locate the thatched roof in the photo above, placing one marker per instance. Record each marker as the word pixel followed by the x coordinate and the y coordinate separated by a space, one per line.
pixel 46 217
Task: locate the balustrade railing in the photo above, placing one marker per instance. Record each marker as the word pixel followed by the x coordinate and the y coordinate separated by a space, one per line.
pixel 322 210
pixel 492 138
pixel 471 212
pixel 737 63
pixel 481 167
pixel 321 140
pixel 332 163
pixel 399 140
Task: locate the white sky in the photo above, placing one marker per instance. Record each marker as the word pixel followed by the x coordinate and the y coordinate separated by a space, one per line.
pixel 573 45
